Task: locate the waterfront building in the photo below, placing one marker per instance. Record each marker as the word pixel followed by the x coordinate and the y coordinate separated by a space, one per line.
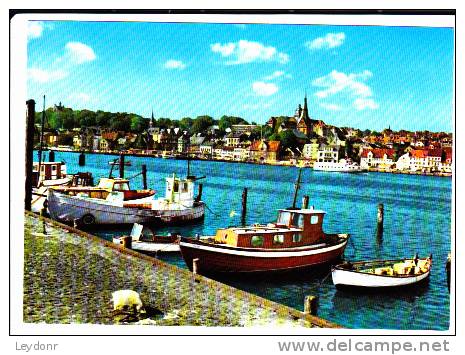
pixel 310 150
pixel 304 123
pixel 380 158
pixel 206 149
pixel 241 153
pixel 243 128
pixel 265 151
pixel 233 139
pixel 328 153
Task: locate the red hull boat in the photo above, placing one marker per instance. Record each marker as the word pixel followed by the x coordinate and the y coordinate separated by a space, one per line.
pixel 296 240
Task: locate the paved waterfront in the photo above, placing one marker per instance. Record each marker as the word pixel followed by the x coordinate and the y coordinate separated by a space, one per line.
pixel 69 277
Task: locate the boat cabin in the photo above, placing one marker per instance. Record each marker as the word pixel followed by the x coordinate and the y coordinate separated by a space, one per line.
pixel 114 184
pixel 293 228
pixel 179 191
pixel 49 170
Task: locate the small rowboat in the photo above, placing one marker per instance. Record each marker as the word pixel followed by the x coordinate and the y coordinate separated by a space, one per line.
pixel 150 243
pixel 126 163
pixel 381 273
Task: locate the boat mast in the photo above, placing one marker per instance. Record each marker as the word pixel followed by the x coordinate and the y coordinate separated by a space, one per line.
pixel 297 185
pixel 41 141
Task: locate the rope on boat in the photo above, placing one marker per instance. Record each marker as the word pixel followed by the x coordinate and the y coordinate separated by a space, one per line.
pixel 324 279
pixel 132 177
pixel 211 211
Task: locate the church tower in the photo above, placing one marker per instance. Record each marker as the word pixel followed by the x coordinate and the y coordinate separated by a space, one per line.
pixel 304 125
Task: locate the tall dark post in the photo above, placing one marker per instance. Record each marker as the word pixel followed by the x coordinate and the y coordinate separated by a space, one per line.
pixel 144 176
pixel 51 156
pixel 297 185
pixel 29 152
pixel 82 159
pixel 42 126
pixel 199 196
pixel 380 221
pixel 244 206
pixel 121 166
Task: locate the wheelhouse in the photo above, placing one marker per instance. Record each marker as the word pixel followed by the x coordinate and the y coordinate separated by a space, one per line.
pixel 293 228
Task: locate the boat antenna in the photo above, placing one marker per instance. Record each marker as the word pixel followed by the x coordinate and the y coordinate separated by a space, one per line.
pixel 42 124
pixel 297 185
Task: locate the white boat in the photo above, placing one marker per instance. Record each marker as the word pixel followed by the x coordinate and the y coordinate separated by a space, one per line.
pixel 177 207
pixel 381 273
pixel 150 243
pixel 343 166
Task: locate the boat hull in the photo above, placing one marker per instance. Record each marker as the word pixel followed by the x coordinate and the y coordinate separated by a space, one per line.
pixel 87 211
pixel 214 259
pixel 347 279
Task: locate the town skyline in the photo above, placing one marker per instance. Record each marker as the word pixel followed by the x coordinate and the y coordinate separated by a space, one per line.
pixel 399 77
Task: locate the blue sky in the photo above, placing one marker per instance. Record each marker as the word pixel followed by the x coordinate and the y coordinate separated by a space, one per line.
pixel 368 77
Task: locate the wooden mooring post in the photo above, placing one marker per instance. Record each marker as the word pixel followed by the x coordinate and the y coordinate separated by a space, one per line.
pixel 29 152
pixel 380 221
pixel 144 176
pixel 311 305
pixel 199 195
pixel 51 156
pixel 195 266
pixel 305 200
pixel 121 166
pixel 127 241
pixel 244 206
pixel 82 159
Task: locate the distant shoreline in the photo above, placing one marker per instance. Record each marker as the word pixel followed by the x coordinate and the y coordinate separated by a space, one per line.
pixel 284 163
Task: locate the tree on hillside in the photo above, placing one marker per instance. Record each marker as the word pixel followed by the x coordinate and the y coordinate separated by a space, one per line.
pixel 103 119
pixel 186 123
pixel 228 121
pixel 201 124
pixel 85 118
pixel 138 123
pixel 121 122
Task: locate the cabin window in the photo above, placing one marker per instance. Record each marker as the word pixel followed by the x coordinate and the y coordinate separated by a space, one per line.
pixel 284 218
pixel 297 237
pixel 257 241
pixel 122 187
pixel 184 187
pixel 176 186
pixel 42 168
pixel 298 220
pixel 314 220
pixel 278 239
pixel 54 167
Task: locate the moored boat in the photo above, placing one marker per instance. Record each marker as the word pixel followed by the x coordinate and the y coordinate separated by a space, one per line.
pixel 149 243
pixel 343 166
pixel 381 273
pixel 295 241
pixel 100 205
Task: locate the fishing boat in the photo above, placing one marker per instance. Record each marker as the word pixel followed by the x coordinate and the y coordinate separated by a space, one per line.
pixel 343 166
pixel 149 243
pixel 109 205
pixel 381 273
pixel 51 174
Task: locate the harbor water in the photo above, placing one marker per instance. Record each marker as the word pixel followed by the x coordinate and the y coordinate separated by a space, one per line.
pixel 417 218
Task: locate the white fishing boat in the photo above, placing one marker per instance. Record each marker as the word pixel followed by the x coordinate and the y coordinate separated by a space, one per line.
pixel 149 243
pixel 343 166
pixel 93 206
pixel 381 273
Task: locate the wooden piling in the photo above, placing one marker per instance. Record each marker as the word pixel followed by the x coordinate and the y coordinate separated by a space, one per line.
pixel 29 152
pixel 311 305
pixel 195 266
pixel 51 156
pixel 199 196
pixel 380 221
pixel 144 176
pixel 121 166
pixel 305 200
pixel 244 206
pixel 82 159
pixel 127 241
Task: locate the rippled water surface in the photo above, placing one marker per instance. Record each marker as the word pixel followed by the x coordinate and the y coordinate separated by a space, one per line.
pixel 417 218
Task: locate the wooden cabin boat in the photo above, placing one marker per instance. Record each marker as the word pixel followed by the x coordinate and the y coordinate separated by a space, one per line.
pixel 116 163
pixel 149 243
pixel 295 241
pixel 108 204
pixel 51 174
pixel 381 273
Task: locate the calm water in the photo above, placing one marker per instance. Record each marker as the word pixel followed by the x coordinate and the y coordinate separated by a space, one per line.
pixel 417 218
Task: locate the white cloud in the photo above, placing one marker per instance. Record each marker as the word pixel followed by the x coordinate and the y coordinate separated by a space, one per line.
pixel 247 52
pixel 264 89
pixel 351 85
pixel 331 40
pixel 35 29
pixel 330 107
pixel 277 74
pixel 174 64
pixel 79 52
pixel 361 104
pixel 44 76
